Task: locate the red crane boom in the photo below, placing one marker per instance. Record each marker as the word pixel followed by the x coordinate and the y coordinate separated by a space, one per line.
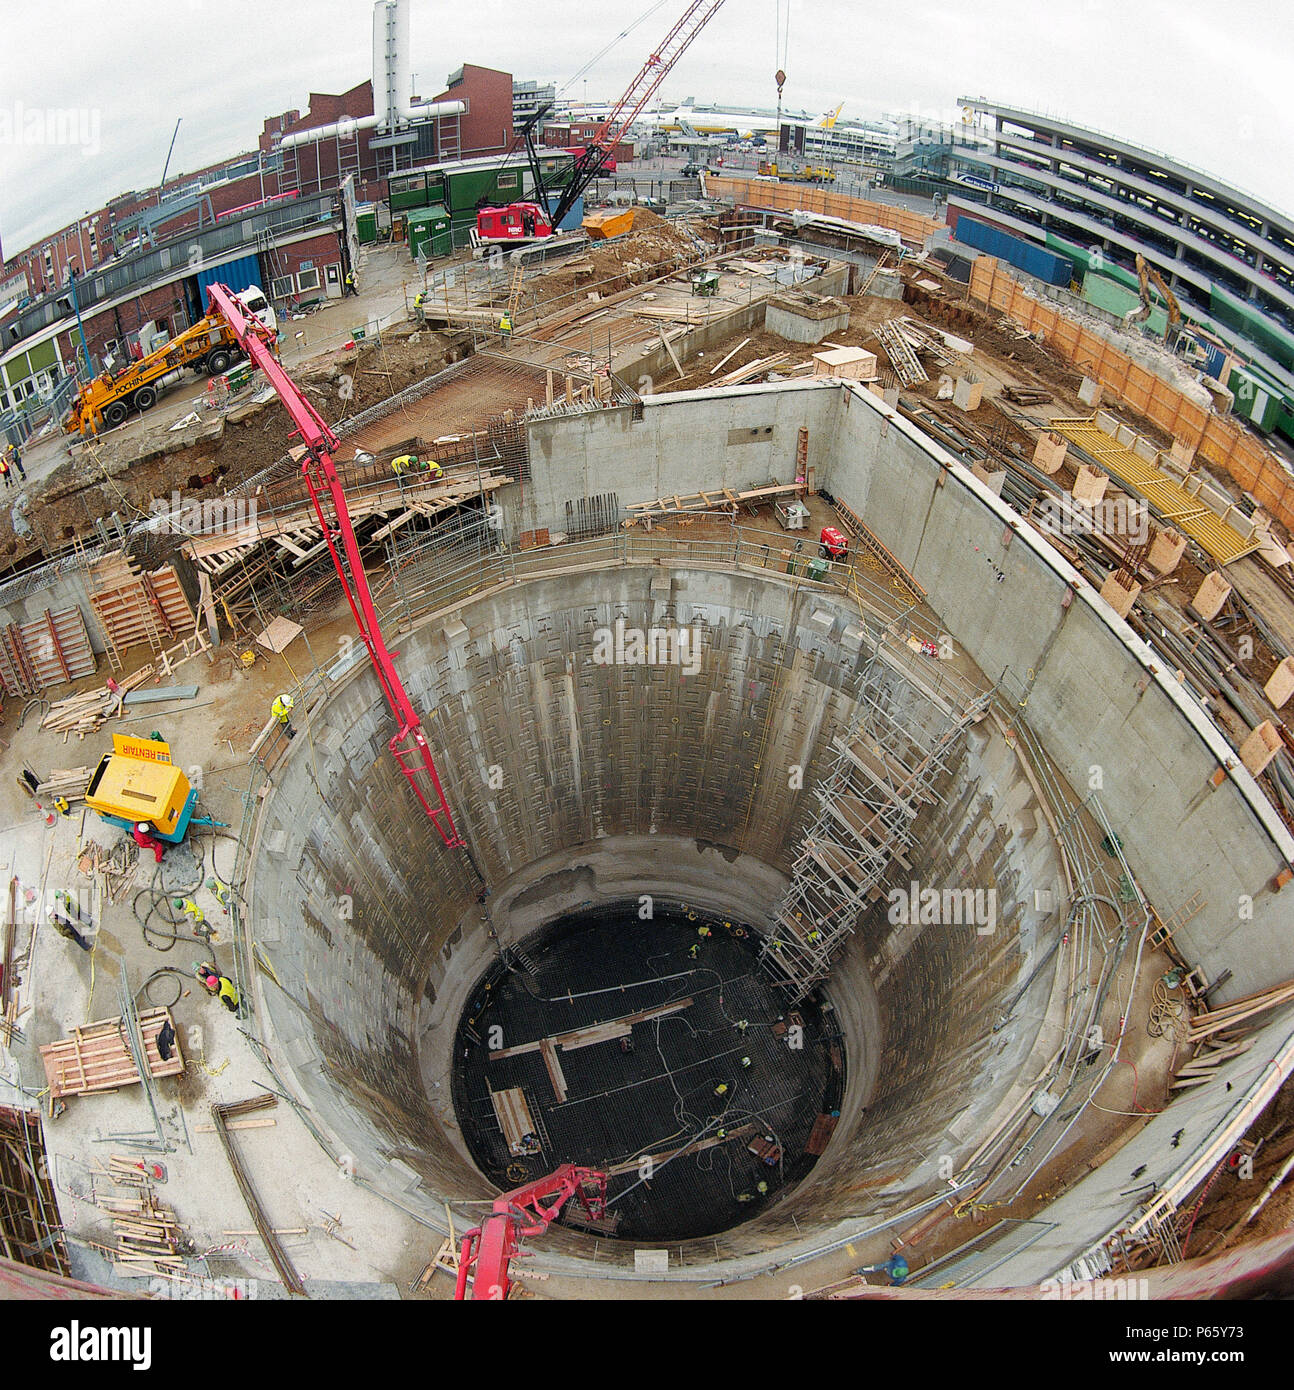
pixel 409 744
pixel 654 71
pixel 488 1249
pixel 627 110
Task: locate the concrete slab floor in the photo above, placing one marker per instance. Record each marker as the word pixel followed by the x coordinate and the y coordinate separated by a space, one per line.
pixel 61 987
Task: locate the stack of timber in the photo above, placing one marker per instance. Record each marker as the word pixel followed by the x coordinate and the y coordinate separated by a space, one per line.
pixel 753 369
pixel 82 714
pixel 69 783
pixel 1230 1017
pixel 117 866
pixel 903 359
pixel 148 1235
pixel 98 1057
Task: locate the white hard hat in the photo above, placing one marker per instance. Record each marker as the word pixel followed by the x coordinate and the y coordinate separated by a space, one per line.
pixel 143 825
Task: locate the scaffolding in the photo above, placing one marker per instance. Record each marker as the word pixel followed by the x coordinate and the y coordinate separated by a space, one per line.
pixel 886 769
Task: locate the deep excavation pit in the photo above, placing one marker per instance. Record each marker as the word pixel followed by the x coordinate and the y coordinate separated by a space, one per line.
pixel 720 1055
pixel 583 787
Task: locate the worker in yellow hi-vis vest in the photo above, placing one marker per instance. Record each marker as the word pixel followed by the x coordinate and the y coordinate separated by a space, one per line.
pixel 190 909
pixel 505 328
pixel 282 709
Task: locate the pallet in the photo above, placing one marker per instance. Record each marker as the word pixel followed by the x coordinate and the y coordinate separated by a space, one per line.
pixel 97 1057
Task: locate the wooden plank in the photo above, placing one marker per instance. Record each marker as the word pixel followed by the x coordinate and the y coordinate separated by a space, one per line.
pixel 673 356
pixel 729 356
pixel 555 1073
pixel 514 1117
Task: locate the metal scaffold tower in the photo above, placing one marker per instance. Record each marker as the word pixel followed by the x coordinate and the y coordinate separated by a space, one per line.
pixel 895 749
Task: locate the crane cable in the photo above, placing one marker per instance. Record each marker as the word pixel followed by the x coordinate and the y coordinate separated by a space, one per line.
pixel 624 34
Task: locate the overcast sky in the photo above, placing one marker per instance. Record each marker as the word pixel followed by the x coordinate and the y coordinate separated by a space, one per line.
pixel 1209 84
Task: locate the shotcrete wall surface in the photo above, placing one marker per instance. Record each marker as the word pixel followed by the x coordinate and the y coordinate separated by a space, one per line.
pixel 581 784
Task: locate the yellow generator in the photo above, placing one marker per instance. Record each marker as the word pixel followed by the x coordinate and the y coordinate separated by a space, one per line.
pixel 138 782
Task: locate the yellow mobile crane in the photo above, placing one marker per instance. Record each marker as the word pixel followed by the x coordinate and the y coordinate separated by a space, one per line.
pixel 209 346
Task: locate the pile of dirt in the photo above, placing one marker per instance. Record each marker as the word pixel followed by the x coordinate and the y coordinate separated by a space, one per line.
pixel 655 245
pixel 103 478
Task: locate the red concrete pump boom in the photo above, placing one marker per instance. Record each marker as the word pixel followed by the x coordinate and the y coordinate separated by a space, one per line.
pixel 488 1250
pixel 409 744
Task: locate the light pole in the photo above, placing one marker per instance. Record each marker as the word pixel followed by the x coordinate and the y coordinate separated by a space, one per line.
pixel 72 273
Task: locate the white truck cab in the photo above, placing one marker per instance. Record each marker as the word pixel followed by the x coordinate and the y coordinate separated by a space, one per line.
pixel 253 300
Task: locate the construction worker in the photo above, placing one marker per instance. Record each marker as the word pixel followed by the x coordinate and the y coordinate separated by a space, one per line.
pixel 65 929
pixel 745 1061
pixel 406 463
pixel 208 976
pixel 694 950
pixel 721 1134
pixel 505 328
pixel 228 993
pixel 419 300
pixel 815 936
pixel 703 931
pixel 896 1267
pixel 141 836
pixel 741 1025
pixel 433 469
pixel 5 471
pixel 350 285
pixel 762 1188
pixel 14 459
pixel 222 893
pixel 282 709
pixel 721 1089
pixel 190 909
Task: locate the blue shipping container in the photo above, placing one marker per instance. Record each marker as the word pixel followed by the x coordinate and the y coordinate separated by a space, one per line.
pixel 1016 251
pixel 240 274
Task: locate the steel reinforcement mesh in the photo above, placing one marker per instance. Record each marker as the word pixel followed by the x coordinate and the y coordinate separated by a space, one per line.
pixel 658 1095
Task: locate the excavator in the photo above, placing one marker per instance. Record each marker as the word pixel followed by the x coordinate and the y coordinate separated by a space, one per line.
pixel 1178 337
pixel 1148 275
pixel 524 222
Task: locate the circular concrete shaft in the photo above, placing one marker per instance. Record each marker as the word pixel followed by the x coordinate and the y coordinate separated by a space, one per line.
pixel 584 784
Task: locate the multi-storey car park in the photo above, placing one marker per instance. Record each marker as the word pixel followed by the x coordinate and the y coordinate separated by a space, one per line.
pixel 1098 200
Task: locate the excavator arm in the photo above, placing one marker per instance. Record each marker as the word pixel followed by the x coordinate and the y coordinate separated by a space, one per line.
pixel 409 744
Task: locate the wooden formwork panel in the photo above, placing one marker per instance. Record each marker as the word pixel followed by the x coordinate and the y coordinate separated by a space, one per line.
pixel 912 226
pixel 150 608
pixel 47 651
